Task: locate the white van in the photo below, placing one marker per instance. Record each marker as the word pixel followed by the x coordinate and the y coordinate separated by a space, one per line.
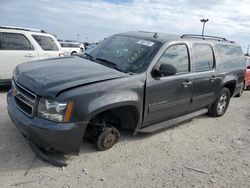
pixel 70 48
pixel 19 45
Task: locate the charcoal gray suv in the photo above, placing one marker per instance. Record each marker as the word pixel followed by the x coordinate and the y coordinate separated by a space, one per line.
pixel 141 81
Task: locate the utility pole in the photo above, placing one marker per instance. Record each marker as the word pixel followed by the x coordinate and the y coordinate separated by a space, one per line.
pixel 204 23
pixel 78 36
pixel 248 49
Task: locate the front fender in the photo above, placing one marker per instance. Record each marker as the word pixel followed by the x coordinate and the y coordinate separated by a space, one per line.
pixel 113 100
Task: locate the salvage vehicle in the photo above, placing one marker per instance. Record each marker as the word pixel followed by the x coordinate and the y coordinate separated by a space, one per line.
pixel 19 45
pixel 141 81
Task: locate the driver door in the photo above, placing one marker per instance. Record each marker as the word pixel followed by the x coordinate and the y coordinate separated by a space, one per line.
pixel 168 97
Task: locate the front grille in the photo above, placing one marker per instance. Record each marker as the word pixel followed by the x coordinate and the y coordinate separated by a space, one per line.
pixel 26 92
pixel 25 99
pixel 23 106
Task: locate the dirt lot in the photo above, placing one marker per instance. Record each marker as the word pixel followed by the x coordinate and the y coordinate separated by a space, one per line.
pixel 204 152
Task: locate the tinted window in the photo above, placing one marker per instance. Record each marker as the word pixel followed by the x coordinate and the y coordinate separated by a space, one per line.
pixel 178 56
pixel 231 56
pixel 14 41
pixel 46 43
pixel 70 45
pixel 203 57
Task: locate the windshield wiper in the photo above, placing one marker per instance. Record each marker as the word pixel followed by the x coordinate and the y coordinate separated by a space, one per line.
pixel 90 57
pixel 110 63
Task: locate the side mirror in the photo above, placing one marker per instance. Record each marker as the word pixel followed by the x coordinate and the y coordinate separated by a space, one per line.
pixel 166 70
pixel 248 67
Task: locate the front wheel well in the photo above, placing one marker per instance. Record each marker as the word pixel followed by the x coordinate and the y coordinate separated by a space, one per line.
pixel 231 86
pixel 126 117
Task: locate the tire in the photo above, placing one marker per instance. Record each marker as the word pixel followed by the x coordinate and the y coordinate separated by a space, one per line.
pixel 248 87
pixel 241 91
pixel 107 138
pixel 73 53
pixel 221 104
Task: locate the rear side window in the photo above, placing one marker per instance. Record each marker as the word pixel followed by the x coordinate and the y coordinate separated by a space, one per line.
pixel 70 45
pixel 177 56
pixel 203 57
pixel 14 41
pixel 46 42
pixel 230 56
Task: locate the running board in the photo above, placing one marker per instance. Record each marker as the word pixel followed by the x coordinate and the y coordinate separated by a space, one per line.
pixel 169 123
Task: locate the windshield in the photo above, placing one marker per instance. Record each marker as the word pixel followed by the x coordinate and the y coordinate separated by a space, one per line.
pixel 128 54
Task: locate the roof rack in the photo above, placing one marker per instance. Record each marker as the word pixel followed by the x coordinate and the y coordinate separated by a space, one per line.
pixel 22 28
pixel 204 37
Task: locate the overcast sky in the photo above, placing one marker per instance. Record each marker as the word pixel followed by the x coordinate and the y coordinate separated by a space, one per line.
pixel 97 19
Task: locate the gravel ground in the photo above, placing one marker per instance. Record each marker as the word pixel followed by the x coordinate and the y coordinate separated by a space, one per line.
pixel 204 152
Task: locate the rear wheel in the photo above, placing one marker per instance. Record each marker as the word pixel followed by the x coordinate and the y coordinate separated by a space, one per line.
pixel 248 87
pixel 221 104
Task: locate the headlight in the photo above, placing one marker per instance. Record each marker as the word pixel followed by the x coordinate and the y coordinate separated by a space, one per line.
pixel 55 111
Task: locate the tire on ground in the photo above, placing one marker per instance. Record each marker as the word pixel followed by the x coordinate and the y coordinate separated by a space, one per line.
pixel 219 107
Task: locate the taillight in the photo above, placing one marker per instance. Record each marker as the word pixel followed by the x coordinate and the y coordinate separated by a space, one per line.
pixel 61 54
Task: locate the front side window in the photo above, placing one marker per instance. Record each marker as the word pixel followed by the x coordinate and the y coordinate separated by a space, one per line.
pixel 203 57
pixel 14 41
pixel 46 42
pixel 177 56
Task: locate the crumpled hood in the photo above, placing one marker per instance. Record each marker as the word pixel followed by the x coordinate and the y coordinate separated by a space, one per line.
pixel 49 77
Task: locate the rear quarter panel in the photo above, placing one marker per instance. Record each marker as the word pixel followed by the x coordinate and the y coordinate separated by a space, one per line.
pixel 231 69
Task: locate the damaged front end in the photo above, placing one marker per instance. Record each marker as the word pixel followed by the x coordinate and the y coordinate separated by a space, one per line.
pixel 47 138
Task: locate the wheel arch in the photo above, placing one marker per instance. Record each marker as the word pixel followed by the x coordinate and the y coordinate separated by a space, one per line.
pixel 128 111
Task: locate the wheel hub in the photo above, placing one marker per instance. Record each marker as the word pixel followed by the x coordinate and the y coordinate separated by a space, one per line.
pixel 222 103
pixel 109 140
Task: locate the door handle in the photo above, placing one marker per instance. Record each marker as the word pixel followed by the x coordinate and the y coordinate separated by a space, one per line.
pixel 29 55
pixel 186 83
pixel 212 79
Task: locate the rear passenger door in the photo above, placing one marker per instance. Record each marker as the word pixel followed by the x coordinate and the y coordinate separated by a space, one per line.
pixel 204 76
pixel 15 48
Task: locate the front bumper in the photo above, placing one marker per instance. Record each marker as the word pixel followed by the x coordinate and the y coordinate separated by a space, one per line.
pixel 65 138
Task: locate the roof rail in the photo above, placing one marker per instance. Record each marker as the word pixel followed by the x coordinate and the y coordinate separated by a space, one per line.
pixel 204 37
pixel 22 28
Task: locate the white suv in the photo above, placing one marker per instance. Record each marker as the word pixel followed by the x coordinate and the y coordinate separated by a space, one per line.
pixel 70 48
pixel 19 45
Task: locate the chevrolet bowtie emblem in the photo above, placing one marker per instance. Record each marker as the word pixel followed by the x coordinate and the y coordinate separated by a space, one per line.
pixel 14 92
